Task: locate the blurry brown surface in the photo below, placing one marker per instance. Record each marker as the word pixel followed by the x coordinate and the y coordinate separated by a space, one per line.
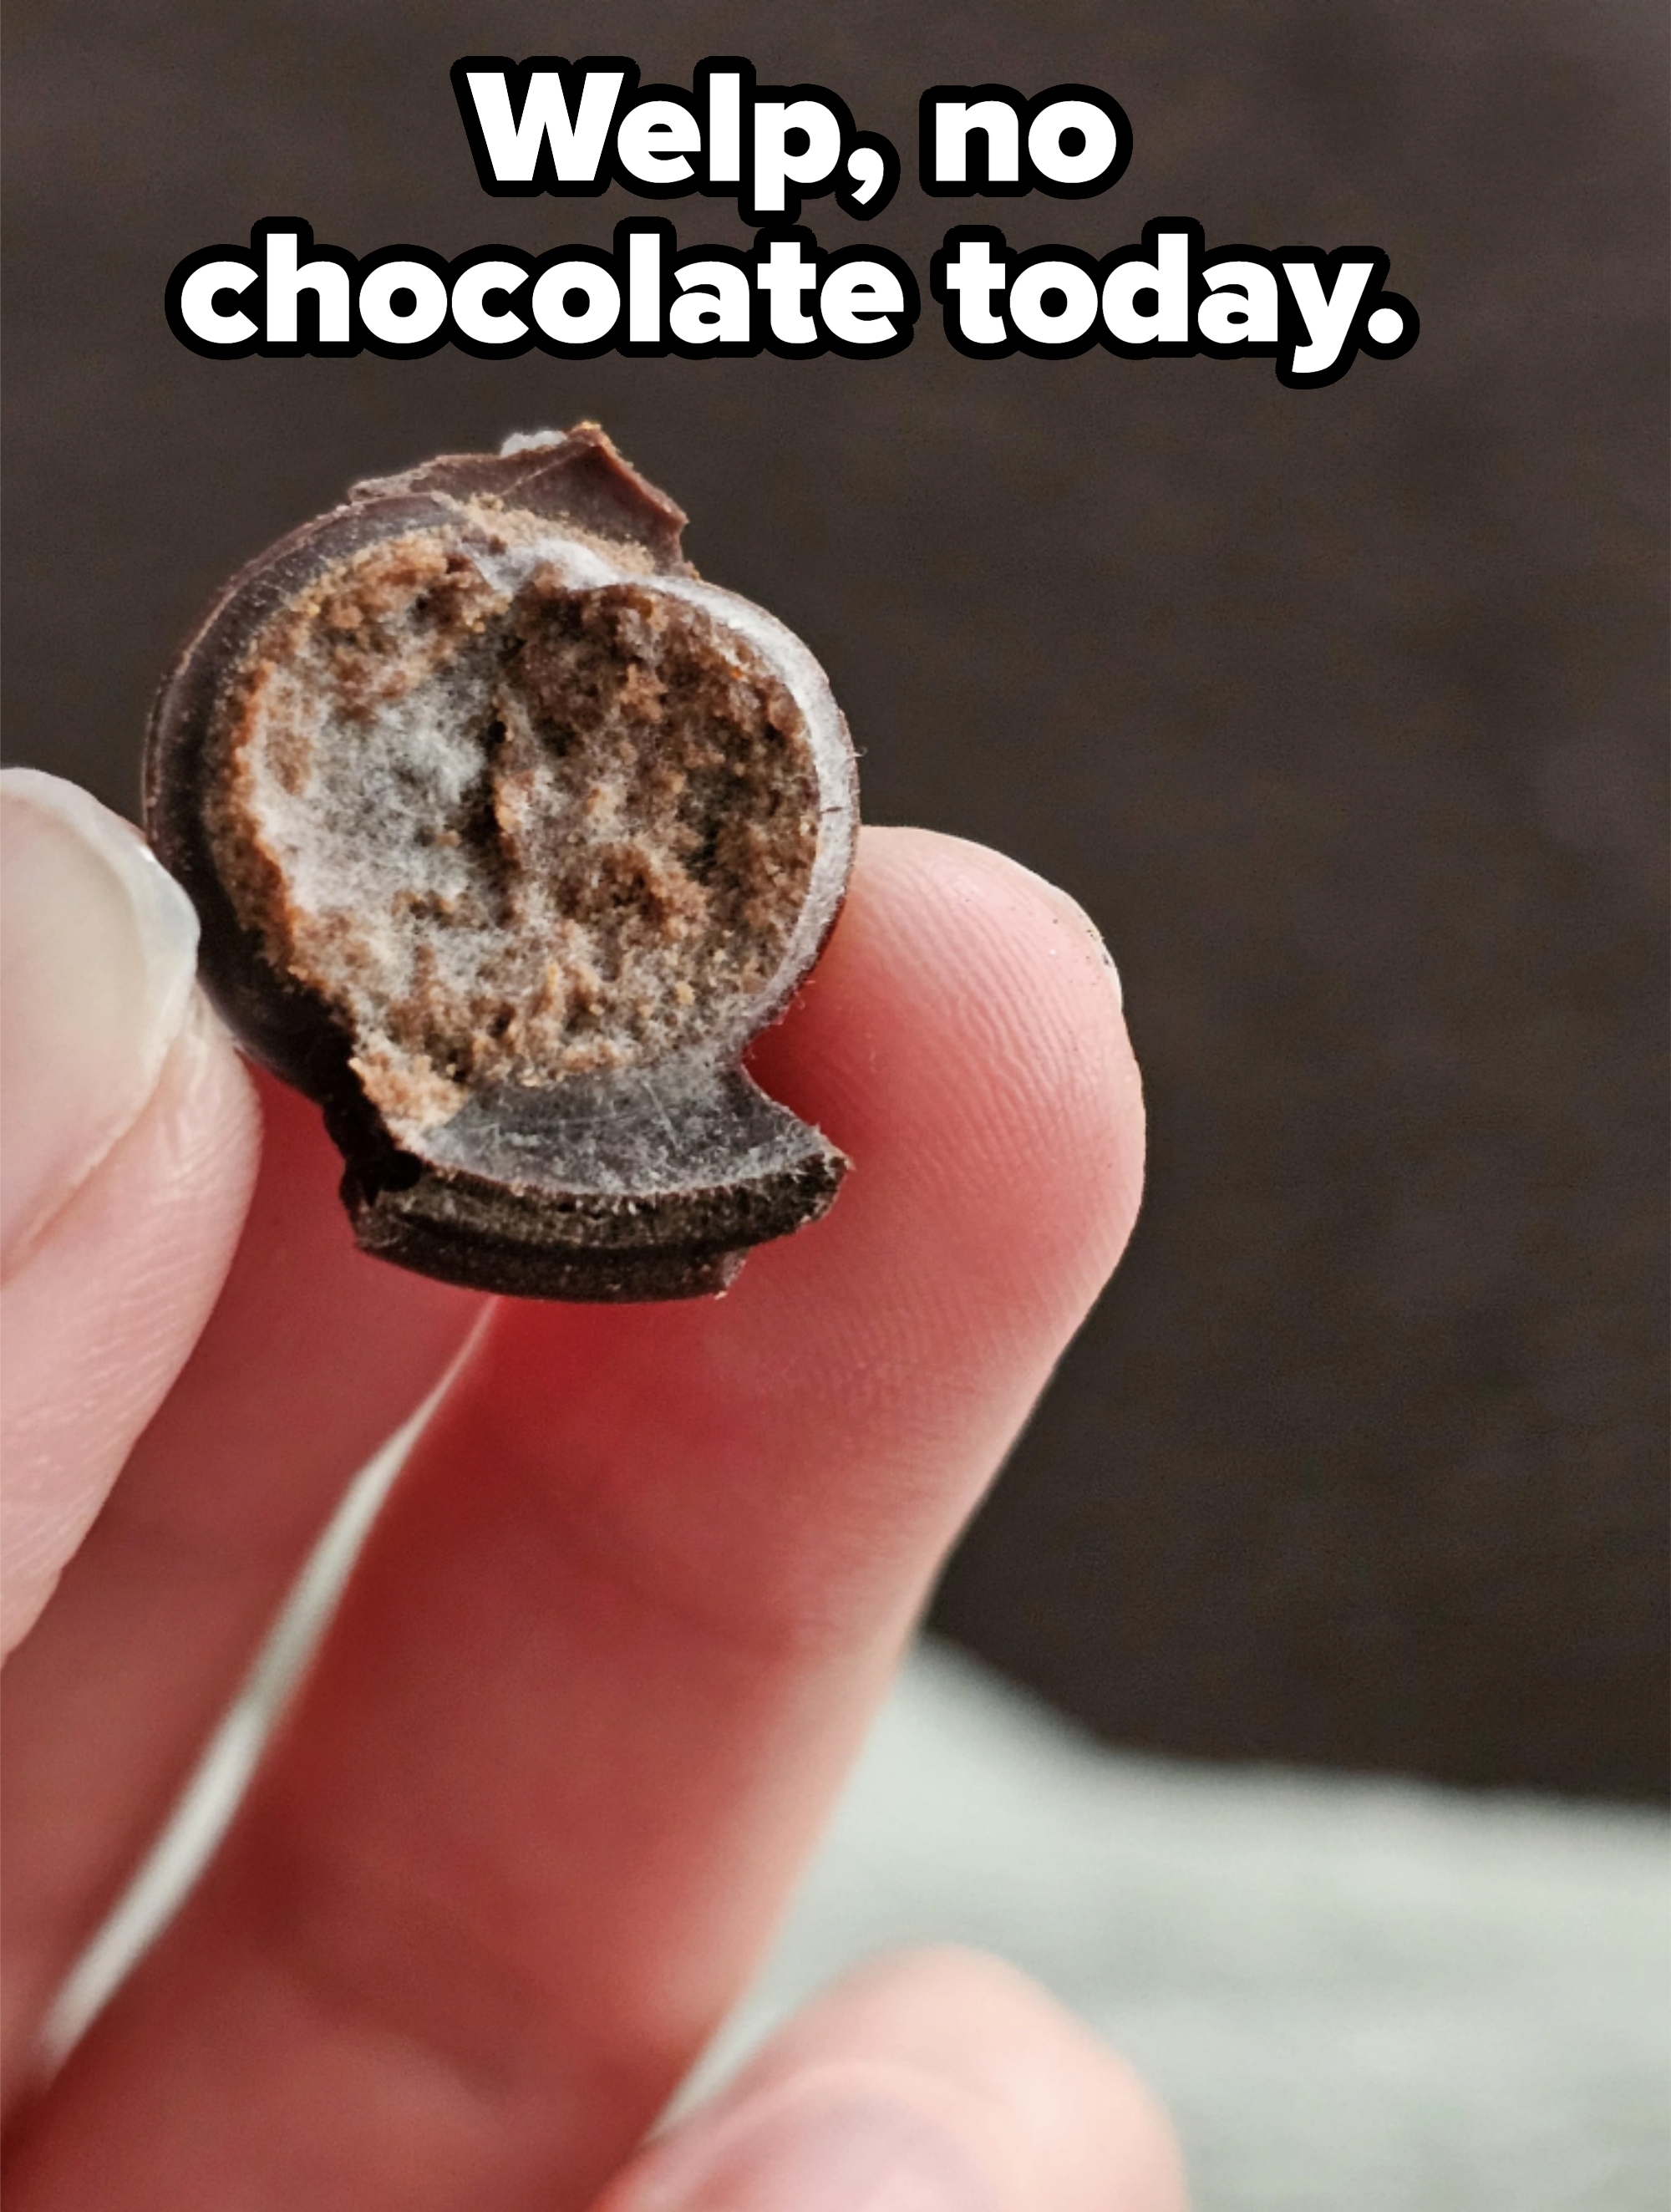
pixel 1341 712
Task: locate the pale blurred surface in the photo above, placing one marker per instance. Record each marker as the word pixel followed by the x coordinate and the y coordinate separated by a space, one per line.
pixel 1354 1997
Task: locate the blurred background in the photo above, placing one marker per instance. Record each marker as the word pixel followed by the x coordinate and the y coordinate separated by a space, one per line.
pixel 1341 712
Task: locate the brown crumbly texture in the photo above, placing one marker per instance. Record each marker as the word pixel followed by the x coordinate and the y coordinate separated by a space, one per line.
pixel 509 835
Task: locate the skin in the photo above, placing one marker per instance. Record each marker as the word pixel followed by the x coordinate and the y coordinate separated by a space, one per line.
pixel 524 1833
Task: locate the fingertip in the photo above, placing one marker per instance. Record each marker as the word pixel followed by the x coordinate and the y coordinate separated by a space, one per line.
pixel 964 1041
pixel 942 2079
pixel 1082 2112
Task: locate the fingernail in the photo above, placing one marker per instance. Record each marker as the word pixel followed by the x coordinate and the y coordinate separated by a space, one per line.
pixel 98 950
pixel 814 2146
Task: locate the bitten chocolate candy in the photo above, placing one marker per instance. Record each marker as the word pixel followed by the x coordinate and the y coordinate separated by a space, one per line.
pixel 506 833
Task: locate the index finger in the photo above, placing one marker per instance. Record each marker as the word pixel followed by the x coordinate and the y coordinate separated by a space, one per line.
pixel 617 1635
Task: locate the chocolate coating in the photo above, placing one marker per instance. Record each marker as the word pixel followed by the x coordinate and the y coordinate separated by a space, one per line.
pixel 506 833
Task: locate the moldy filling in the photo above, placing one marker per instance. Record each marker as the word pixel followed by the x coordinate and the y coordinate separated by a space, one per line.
pixel 510 830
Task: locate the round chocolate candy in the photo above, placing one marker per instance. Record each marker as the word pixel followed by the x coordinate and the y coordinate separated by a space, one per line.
pixel 506 833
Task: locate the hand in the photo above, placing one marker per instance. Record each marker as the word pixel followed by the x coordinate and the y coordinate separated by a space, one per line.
pixel 521 1837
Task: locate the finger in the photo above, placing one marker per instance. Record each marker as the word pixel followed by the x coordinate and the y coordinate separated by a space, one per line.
pixel 130 1146
pixel 617 1635
pixel 312 1356
pixel 937 2082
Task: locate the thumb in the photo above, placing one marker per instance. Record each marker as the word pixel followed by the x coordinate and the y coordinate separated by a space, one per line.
pixel 131 1138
